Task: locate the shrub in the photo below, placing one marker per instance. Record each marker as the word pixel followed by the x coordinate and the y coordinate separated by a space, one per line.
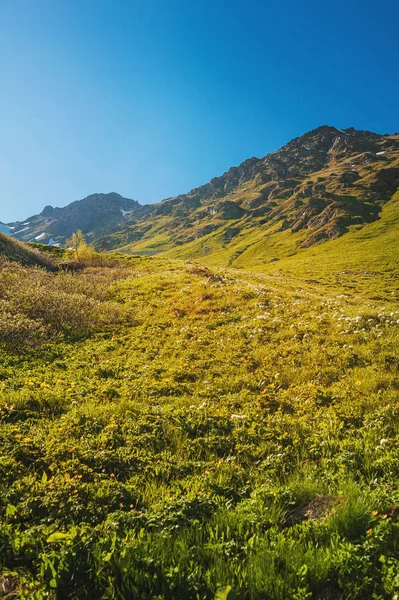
pixel 36 305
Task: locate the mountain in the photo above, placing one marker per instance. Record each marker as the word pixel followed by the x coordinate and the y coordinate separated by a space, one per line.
pixel 95 215
pixel 317 187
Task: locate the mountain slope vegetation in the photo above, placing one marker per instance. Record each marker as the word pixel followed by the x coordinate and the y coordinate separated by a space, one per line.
pixel 13 250
pixel 184 431
pixel 317 187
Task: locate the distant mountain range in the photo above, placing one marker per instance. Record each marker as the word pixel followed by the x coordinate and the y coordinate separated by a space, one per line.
pixel 317 187
pixel 95 215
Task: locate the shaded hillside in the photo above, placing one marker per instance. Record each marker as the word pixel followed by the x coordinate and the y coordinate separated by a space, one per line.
pixel 16 251
pixel 316 187
pixel 95 215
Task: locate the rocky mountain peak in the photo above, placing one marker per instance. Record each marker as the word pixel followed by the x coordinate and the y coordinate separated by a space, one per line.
pixel 47 211
pixel 94 215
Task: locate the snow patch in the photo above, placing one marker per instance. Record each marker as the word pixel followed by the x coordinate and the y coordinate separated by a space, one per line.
pixel 380 153
pixel 21 230
pixel 5 229
pixel 41 236
pixel 125 212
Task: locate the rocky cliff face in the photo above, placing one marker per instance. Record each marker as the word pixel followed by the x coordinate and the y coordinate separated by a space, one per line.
pixel 95 215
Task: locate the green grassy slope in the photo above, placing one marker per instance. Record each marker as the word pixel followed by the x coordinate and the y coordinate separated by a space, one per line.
pixel 182 432
pixel 369 254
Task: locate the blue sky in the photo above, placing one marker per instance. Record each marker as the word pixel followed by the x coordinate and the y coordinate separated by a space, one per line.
pixel 152 98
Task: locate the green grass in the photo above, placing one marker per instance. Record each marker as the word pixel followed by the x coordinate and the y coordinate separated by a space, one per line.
pixel 181 431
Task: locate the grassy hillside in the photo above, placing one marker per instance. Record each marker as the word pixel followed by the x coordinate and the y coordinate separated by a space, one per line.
pixel 17 251
pixel 181 431
pixel 367 257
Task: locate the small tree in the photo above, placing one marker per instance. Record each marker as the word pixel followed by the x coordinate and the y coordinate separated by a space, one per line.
pixel 84 253
pixel 77 243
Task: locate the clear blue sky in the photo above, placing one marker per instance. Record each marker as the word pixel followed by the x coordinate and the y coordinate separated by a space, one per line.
pixel 150 98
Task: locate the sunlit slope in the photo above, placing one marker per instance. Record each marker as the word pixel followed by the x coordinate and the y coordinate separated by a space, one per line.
pixel 374 246
pixel 16 251
pixel 316 188
pixel 368 256
pixel 172 431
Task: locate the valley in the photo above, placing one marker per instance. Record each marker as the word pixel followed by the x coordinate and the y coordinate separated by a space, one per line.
pixel 209 409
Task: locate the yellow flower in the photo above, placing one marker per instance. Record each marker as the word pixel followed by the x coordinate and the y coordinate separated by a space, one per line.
pixel 369 531
pixel 358 382
pixel 374 512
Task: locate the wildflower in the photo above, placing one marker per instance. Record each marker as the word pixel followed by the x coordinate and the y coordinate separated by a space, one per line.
pixel 358 382
pixel 383 441
pixel 384 516
pixel 369 531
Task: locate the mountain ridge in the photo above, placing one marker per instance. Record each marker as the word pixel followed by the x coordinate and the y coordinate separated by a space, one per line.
pixel 319 184
pixel 317 187
pixel 94 215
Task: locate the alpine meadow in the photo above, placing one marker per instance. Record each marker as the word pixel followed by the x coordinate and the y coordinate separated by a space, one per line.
pixel 199 398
